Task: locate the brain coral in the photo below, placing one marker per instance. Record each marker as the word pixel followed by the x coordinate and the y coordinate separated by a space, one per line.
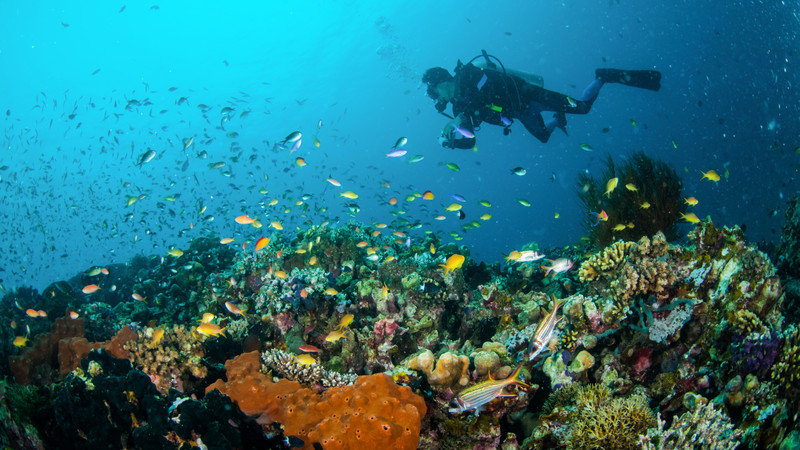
pixel 372 413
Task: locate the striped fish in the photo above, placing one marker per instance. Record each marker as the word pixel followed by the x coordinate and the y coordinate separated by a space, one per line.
pixel 474 397
pixel 545 331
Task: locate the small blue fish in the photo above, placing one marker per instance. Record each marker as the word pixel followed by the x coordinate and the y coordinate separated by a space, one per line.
pixel 464 132
pixel 396 153
pixel 458 198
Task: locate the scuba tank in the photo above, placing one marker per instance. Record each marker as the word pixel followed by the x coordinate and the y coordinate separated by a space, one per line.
pixel 483 61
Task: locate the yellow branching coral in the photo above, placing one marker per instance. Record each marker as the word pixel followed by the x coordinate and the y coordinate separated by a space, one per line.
pixel 604 423
pixel 746 322
pixel 593 419
pixel 604 262
pixel 171 356
pixel 786 370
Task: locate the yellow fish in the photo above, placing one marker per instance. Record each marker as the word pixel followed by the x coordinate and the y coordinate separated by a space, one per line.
pixel 176 252
pixel 347 319
pixel 334 336
pixel 20 341
pixel 454 207
pixel 330 291
pixel 158 334
pixel 711 175
pixel 691 217
pixel 453 262
pixel 691 201
pixel 277 225
pixel 524 202
pixel 611 185
pixel 349 194
pixel 432 249
pixel 619 227
pixel 631 187
pixel 486 216
pixel 210 329
pixel 207 317
pixel 305 359
pixel 644 205
pixel 485 203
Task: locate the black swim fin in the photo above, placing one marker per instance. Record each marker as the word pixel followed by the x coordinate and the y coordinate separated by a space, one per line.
pixel 645 79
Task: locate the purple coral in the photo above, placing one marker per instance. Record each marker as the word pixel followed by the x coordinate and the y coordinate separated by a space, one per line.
pixel 755 353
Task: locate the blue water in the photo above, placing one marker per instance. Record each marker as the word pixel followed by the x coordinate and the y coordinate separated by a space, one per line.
pixel 729 100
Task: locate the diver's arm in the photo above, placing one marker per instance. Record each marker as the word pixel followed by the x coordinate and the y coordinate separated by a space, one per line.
pixel 458 133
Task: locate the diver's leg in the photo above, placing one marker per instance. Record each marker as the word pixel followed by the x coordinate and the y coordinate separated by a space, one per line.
pixel 533 122
pixel 560 103
pixel 645 79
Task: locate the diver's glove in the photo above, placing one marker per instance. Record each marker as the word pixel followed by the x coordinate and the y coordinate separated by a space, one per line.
pixel 447 139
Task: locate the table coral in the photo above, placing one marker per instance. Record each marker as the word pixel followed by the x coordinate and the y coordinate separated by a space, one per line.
pixel 374 412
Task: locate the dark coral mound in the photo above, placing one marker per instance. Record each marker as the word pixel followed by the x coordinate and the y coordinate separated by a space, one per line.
pixel 651 204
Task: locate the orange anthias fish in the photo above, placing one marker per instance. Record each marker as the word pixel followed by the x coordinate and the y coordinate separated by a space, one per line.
pixel 558 266
pixel 474 397
pixel 90 288
pixel 244 220
pixel 158 334
pixel 544 332
pixel 453 262
pixel 234 309
pixel 261 243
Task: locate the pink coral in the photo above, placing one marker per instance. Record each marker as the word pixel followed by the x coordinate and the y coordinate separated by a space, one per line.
pixel 384 328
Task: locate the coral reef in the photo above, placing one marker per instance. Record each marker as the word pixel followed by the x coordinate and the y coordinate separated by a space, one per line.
pixel 646 327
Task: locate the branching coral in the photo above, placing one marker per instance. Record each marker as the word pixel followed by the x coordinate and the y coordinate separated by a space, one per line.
pixel 286 364
pixel 786 370
pixel 604 262
pixel 627 270
pixel 702 427
pixel 171 356
pixel 587 417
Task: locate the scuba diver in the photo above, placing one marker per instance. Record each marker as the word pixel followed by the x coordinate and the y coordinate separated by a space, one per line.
pixel 480 93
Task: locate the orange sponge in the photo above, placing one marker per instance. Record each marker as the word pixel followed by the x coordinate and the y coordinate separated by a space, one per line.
pixel 373 412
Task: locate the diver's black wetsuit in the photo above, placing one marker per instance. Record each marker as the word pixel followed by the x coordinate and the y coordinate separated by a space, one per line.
pixel 492 96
